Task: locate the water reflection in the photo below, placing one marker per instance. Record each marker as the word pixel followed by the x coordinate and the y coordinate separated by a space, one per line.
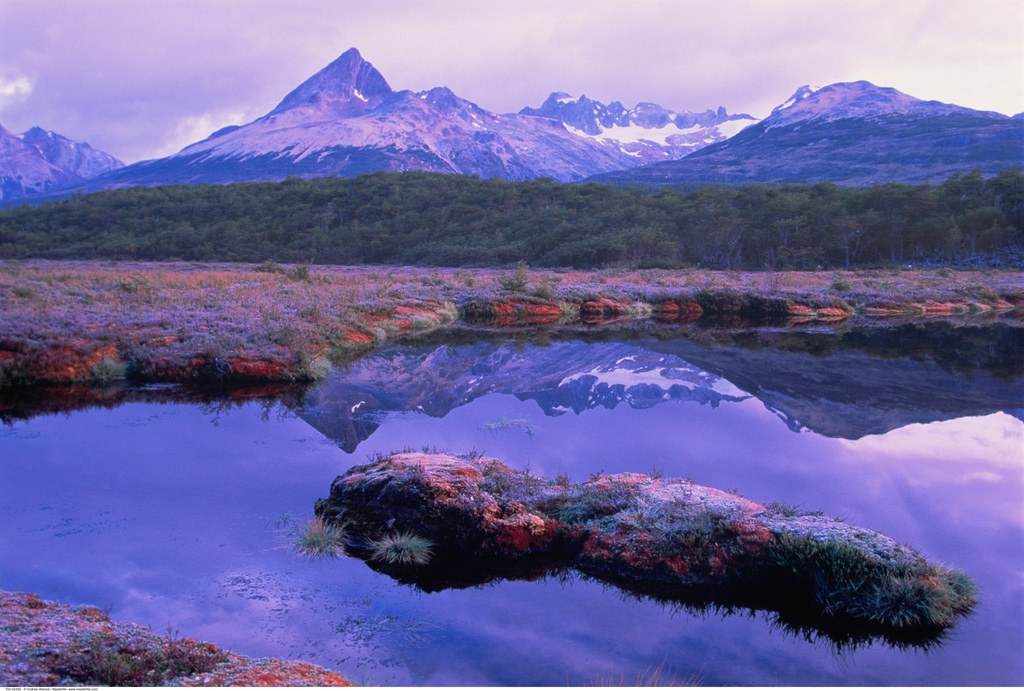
pixel 145 505
pixel 847 395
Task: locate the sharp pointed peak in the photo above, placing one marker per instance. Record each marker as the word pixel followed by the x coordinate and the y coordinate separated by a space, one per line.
pixel 349 83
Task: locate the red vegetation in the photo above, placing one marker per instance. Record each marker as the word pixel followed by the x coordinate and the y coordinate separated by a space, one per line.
pixel 357 337
pixel 258 369
pixel 71 362
pixel 603 307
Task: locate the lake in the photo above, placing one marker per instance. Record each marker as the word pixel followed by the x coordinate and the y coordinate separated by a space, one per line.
pixel 172 509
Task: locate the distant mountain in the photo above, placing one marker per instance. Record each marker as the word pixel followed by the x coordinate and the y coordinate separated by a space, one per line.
pixel 850 133
pixel 346 120
pixel 38 162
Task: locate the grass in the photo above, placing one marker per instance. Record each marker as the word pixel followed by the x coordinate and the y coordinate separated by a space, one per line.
pixel 315 538
pixel 402 549
pixel 903 593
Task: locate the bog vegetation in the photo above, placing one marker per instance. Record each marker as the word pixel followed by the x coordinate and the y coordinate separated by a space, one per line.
pixel 432 219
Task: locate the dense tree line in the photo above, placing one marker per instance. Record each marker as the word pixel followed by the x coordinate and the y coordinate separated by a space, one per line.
pixel 450 220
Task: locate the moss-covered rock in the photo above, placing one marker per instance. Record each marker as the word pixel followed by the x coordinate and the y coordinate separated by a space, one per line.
pixel 669 537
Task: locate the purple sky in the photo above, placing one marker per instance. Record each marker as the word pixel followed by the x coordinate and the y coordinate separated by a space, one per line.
pixel 143 79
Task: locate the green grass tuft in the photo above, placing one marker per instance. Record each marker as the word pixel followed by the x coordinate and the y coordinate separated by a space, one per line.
pixel 318 538
pixel 403 548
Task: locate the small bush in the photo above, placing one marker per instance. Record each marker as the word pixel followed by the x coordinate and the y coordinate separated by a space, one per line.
pixel 109 369
pixel 269 266
pixel 516 283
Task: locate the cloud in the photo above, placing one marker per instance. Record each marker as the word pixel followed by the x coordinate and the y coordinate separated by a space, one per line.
pixel 14 89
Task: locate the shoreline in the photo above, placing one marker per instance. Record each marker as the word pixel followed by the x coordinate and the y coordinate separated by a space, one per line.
pixel 101 322
pixel 48 644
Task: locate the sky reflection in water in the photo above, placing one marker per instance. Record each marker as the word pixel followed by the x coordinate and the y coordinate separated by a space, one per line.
pixel 170 513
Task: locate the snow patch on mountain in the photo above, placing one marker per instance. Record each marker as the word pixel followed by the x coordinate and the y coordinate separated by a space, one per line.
pixel 629 372
pixel 647 131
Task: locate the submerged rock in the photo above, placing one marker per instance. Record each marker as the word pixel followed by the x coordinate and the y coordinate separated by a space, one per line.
pixel 665 537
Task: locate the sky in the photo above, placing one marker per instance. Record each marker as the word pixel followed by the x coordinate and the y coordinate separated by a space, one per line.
pixel 142 79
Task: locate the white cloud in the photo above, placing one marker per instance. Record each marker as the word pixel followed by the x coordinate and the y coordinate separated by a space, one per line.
pixel 14 89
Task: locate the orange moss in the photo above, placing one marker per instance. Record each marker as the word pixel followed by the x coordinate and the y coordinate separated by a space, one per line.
pixel 245 368
pixel 527 320
pixel 603 307
pixel 71 362
pixel 357 337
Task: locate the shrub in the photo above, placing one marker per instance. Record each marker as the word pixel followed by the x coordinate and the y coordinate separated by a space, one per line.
pixel 841 285
pixel 516 283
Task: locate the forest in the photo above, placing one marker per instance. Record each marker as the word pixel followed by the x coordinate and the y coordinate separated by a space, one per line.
pixel 434 219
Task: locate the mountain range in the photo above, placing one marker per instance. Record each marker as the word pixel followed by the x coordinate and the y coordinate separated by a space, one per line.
pixel 850 133
pixel 346 120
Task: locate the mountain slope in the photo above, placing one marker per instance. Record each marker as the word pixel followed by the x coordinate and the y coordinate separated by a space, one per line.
pixel 38 161
pixel 851 133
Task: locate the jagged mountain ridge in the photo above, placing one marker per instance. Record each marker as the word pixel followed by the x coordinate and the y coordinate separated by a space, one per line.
pixel 39 161
pixel 648 132
pixel 346 120
pixel 852 133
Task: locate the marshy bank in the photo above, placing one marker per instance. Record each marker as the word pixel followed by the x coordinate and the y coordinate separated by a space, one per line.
pixel 51 644
pixel 233 323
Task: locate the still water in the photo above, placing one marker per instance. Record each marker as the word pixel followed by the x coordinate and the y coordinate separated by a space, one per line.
pixel 174 514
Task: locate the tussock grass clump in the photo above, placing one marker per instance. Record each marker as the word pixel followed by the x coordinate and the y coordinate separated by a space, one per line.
pixel 901 593
pixel 318 538
pixel 403 549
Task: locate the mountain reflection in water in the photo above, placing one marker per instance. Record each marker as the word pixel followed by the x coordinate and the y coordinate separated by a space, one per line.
pixel 848 395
